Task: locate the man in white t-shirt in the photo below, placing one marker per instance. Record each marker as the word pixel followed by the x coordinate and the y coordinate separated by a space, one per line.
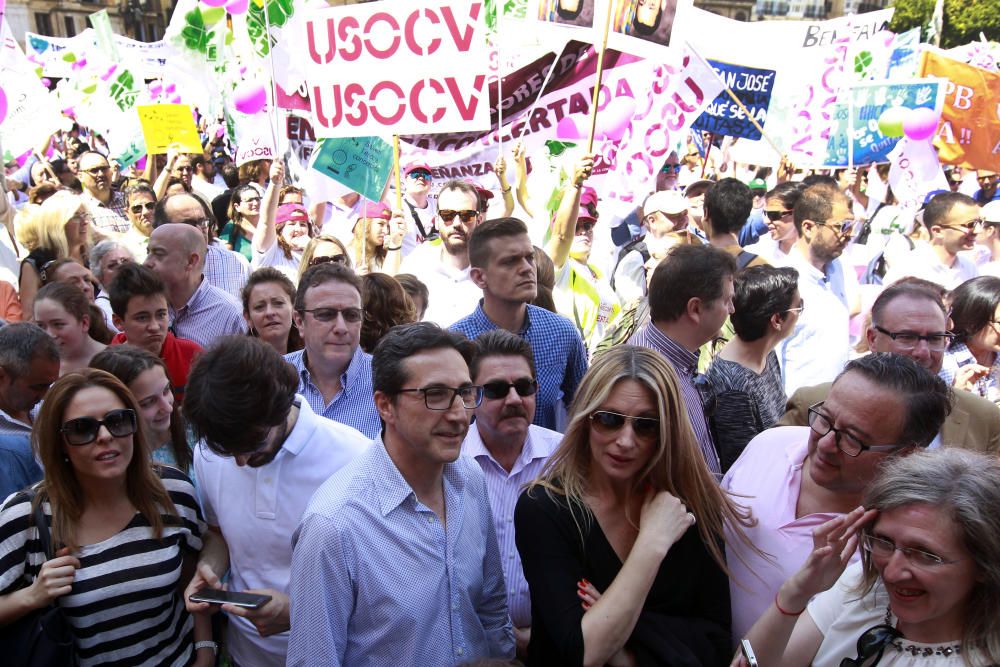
pixel 417 206
pixel 989 239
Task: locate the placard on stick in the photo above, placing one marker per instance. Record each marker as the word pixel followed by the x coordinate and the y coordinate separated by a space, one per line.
pixel 166 124
pixel 362 164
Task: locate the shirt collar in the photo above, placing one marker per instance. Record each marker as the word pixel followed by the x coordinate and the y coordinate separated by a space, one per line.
pixel 476 448
pixel 347 378
pixel 671 349
pixel 392 490
pixel 304 429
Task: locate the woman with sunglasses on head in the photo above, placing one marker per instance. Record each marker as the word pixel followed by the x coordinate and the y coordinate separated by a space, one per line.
pixel 377 243
pixel 243 214
pixel 60 227
pixel 971 362
pixel 321 250
pixel 782 235
pixel 125 532
pixel 926 592
pixel 582 292
pixel 76 324
pixel 621 537
pixel 267 307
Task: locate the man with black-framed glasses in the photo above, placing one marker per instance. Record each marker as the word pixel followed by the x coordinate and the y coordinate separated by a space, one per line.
pixel 797 478
pixel 510 449
pixel 396 559
pixel 104 202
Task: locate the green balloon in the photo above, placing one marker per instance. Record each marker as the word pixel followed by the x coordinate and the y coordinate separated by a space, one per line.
pixel 890 123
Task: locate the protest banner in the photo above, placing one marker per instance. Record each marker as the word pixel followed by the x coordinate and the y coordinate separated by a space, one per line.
pixel 869 102
pixel 104 33
pixel 360 164
pixel 969 134
pixel 395 67
pixel 255 140
pixel 724 116
pixel 30 115
pixel 164 125
pixel 646 28
pixel 571 14
pixel 914 171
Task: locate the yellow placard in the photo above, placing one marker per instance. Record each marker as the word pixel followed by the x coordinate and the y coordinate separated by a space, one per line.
pixel 166 124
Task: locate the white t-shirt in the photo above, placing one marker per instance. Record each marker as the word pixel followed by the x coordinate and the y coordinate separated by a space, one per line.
pixel 452 294
pixel 275 256
pixel 922 262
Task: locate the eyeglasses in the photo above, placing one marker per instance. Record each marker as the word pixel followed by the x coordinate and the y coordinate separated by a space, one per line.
pixel 585 227
pixel 94 171
pixel 184 168
pixel 847 443
pixel 137 208
pixel 420 173
pixel 336 259
pixel 798 309
pixel 442 398
pixel 200 223
pixel 843 228
pixel 250 200
pixel 467 215
pixel 883 548
pixel 351 315
pixel 607 422
pixel 871 644
pixel 774 216
pixel 500 389
pixel 83 217
pixel 668 168
pixel 84 430
pixel 908 340
pixel 966 227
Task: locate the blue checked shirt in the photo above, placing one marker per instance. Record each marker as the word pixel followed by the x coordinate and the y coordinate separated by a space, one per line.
pixel 560 357
pixel 208 314
pixel 354 404
pixel 377 580
pixel 227 270
pixel 685 364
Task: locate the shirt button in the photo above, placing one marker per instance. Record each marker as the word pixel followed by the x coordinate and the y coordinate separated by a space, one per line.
pixel 459 651
pixel 430 519
pixel 454 606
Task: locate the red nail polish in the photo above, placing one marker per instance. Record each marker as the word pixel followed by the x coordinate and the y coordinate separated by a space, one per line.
pixel 586 582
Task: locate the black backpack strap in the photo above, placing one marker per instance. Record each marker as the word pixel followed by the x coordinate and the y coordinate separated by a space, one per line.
pixel 744 258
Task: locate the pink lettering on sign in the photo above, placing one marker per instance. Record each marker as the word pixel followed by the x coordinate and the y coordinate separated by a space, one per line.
pixel 386 102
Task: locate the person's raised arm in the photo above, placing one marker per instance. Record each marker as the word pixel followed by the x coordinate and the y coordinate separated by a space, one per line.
pixel 564 227
pixel 160 184
pixel 521 173
pixel 500 169
pixel 266 234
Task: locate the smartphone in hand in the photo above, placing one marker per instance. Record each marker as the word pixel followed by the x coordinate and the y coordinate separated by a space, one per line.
pixel 216 596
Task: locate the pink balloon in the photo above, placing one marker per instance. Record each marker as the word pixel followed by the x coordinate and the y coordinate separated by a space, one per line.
pixel 140 164
pixel 169 90
pixel 249 97
pixel 213 3
pixel 236 7
pixel 155 88
pixel 614 119
pixel 47 82
pixel 107 75
pixel 569 127
pixel 920 123
pixel 176 99
pixel 3 105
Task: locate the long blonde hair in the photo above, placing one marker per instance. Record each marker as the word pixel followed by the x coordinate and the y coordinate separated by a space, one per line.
pixel 44 225
pixel 676 465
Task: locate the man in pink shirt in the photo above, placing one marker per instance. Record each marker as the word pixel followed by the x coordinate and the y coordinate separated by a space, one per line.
pixel 795 478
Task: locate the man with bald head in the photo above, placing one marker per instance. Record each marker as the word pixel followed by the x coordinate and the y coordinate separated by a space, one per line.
pixel 198 310
pixel 225 269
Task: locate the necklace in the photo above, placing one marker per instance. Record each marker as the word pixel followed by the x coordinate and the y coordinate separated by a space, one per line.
pixel 945 650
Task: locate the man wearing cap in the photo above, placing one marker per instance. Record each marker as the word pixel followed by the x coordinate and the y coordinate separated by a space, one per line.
pixel 989 238
pixel 665 216
pixel 444 267
pixel 281 245
pixel 417 207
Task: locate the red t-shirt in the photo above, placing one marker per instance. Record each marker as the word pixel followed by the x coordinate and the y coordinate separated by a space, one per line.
pixel 177 354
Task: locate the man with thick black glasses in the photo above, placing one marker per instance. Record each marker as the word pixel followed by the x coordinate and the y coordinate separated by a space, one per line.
pixel 510 449
pixel 797 478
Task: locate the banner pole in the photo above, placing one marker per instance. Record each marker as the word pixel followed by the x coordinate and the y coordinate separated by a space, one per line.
pixel 708 151
pixel 612 4
pixel 272 112
pixel 395 164
pixel 753 121
pixel 545 83
pixel 498 5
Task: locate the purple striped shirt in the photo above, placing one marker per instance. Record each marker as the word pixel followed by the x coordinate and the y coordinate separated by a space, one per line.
pixel 503 489
pixel 685 363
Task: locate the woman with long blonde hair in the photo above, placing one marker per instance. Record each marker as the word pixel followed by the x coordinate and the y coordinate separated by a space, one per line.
pixel 621 537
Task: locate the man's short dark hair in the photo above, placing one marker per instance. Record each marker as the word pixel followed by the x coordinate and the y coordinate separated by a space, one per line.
pixel 133 280
pixel 687 272
pixel 238 389
pixel 760 292
pixel 480 251
pixel 926 396
pixel 463 186
pixel 940 206
pixel 816 204
pixel 728 204
pixel 910 287
pixel 820 179
pixel 389 373
pixel 160 212
pixel 197 160
pixel 322 274
pixel 501 343
pixel 20 344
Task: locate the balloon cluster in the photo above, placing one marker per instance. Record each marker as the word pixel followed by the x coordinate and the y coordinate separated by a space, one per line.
pixel 916 124
pixel 232 6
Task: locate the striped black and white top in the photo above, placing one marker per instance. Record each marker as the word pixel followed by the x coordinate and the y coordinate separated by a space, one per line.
pixel 125 606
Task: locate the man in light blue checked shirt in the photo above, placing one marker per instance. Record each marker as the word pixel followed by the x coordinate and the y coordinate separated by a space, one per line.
pixel 396 560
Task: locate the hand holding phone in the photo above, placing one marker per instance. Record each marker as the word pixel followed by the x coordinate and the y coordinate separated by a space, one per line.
pixel 218 596
pixel 748 653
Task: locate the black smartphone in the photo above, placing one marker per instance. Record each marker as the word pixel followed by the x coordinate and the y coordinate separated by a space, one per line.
pixel 216 596
pixel 748 652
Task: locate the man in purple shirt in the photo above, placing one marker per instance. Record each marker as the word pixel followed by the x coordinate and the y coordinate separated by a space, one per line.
pixel 690 297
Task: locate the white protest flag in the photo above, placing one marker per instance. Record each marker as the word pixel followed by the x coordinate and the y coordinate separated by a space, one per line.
pixel 914 171
pixel 393 67
pixel 31 113
pixel 255 140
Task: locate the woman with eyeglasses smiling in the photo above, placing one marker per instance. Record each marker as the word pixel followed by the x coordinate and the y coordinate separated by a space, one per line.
pixel 621 537
pixel 971 362
pixel 123 531
pixel 926 592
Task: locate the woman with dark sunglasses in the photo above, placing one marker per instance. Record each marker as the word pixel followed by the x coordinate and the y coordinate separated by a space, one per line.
pixel 124 531
pixel 926 592
pixel 621 537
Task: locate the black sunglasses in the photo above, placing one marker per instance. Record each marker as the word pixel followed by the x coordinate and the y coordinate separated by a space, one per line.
pixel 420 173
pixel 608 422
pixel 467 215
pixel 336 259
pixel 137 208
pixel 774 216
pixel 500 389
pixel 871 644
pixel 667 168
pixel 84 430
pixel 585 227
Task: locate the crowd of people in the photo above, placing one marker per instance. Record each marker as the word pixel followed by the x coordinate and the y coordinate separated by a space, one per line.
pixel 754 420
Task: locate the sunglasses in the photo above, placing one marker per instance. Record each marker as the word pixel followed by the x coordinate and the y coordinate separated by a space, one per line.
pixel 606 422
pixel 351 315
pixel 500 389
pixel 84 430
pixel 871 644
pixel 967 227
pixel 137 208
pixel 420 173
pixel 774 216
pixel 94 171
pixel 467 215
pixel 336 259
pixel 585 227
pixel 844 228
pixel 668 168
